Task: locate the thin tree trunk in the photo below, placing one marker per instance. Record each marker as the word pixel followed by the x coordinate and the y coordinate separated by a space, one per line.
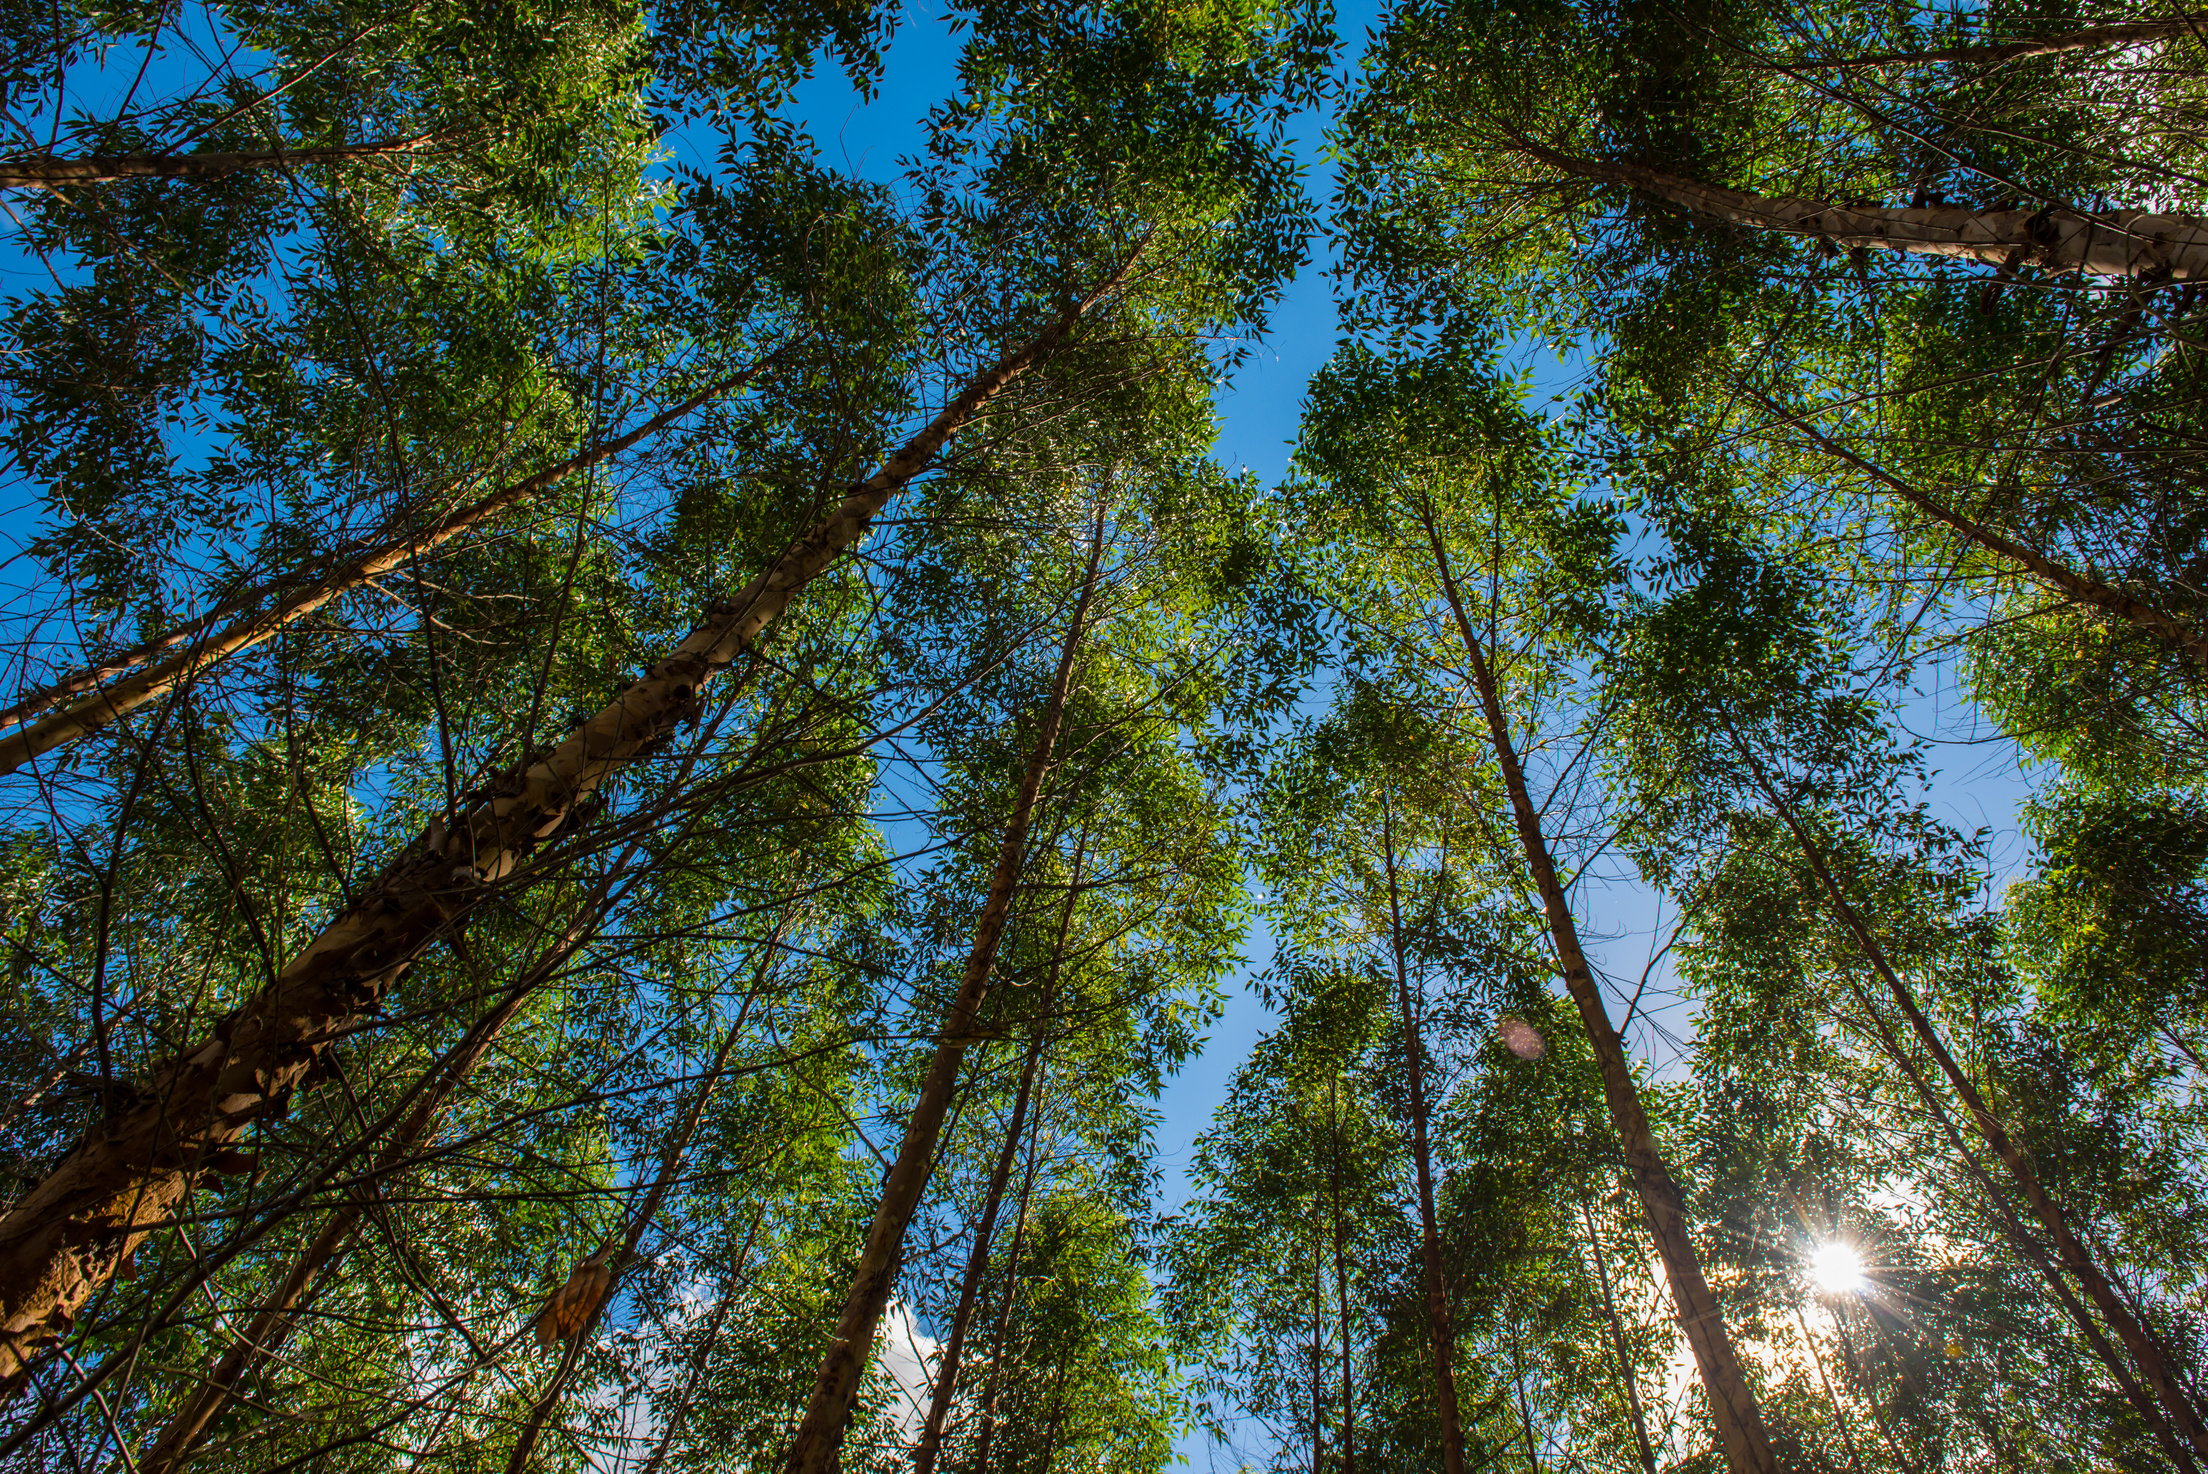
pixel 819 1437
pixel 1733 1405
pixel 1525 1409
pixel 261 613
pixel 1839 1413
pixel 691 1375
pixel 272 1325
pixel 1002 1337
pixel 977 1258
pixel 1318 1351
pixel 132 1172
pixel 1437 1293
pixel 1627 1382
pixel 1937 1110
pixel 1993 53
pixel 2119 243
pixel 2146 1350
pixel 2178 634
pixel 1341 1274
pixel 39 170
pixel 640 1222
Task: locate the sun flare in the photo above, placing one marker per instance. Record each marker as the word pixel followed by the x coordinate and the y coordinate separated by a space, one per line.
pixel 1836 1269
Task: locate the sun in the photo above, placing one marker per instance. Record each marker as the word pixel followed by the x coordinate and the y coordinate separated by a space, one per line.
pixel 1836 1269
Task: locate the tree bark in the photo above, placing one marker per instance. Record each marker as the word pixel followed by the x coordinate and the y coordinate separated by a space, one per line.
pixel 819 1437
pixel 1341 1272
pixel 1733 1406
pixel 1993 53
pixel 977 1258
pixel 2170 630
pixel 640 1222
pixel 1003 1332
pixel 272 1325
pixel 259 614
pixel 40 170
pixel 1627 1382
pixel 132 1172
pixel 1438 1328
pixel 2119 243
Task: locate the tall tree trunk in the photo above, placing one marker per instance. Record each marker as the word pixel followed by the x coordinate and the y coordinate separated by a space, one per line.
pixel 2120 243
pixel 1937 1110
pixel 1318 1350
pixel 1627 1381
pixel 977 1258
pixel 260 613
pixel 1733 1405
pixel 271 1326
pixel 1438 1328
pixel 37 170
pixel 132 1172
pixel 1001 1338
pixel 1993 53
pixel 1839 1413
pixel 2146 1350
pixel 640 1222
pixel 1341 1271
pixel 2176 633
pixel 819 1436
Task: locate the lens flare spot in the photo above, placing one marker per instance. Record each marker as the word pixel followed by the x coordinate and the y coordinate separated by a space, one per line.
pixel 1837 1269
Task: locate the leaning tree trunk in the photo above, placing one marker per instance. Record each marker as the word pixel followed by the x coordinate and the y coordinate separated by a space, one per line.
pixel 2125 243
pixel 1627 1382
pixel 1341 1270
pixel 1001 1338
pixel 2177 634
pixel 1733 1405
pixel 819 1437
pixel 259 614
pixel 130 1174
pixel 271 1326
pixel 1438 1329
pixel 2146 1350
pixel 945 1390
pixel 1994 53
pixel 36 171
pixel 640 1223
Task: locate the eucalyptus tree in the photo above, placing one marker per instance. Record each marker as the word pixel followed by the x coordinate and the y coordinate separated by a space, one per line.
pixel 1691 199
pixel 1749 759
pixel 1444 517
pixel 1296 1237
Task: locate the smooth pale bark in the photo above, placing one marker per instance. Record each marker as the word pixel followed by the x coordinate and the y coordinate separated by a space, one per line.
pixel 1627 1382
pixel 640 1223
pixel 819 1437
pixel 2123 243
pixel 2170 630
pixel 131 1173
pixel 2089 38
pixel 1439 1332
pixel 261 613
pixel 945 1390
pixel 1733 1406
pixel 39 170
pixel 2145 1349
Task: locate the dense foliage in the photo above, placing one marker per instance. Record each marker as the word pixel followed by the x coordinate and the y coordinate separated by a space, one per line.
pixel 640 762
